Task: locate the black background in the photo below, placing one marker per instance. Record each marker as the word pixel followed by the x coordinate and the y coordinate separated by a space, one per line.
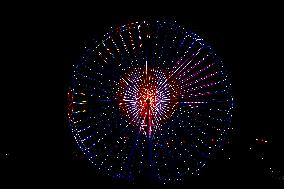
pixel 37 57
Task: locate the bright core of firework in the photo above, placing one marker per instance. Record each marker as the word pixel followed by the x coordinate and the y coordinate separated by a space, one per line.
pixel 147 98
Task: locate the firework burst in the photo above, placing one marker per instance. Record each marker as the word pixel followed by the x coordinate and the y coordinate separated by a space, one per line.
pixel 150 96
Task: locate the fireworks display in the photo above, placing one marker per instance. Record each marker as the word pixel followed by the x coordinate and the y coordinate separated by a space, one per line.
pixel 150 98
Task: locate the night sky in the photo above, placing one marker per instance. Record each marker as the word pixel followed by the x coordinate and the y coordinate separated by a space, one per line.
pixel 37 144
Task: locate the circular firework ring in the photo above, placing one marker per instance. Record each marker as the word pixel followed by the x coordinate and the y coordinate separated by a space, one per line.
pixel 150 98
